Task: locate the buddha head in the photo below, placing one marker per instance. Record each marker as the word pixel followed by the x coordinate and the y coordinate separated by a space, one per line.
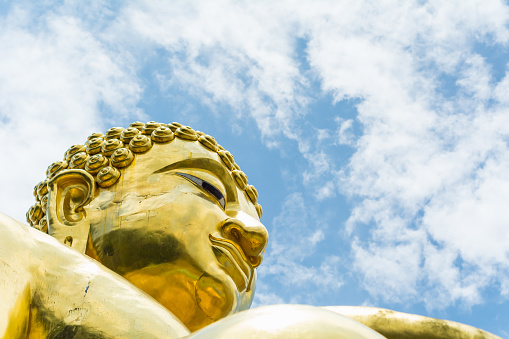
pixel 165 207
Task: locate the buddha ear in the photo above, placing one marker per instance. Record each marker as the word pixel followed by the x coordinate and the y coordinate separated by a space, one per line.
pixel 69 192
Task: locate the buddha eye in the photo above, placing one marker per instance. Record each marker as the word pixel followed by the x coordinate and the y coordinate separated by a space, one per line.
pixel 206 186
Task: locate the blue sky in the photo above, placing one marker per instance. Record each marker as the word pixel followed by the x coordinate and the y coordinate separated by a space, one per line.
pixel 375 132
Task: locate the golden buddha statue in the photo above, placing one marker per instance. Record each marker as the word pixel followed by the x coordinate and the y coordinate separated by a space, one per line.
pixel 154 232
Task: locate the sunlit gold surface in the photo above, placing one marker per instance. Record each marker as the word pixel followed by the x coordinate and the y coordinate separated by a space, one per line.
pixel 155 228
pixel 287 321
pixel 50 290
pixel 162 210
pixel 400 325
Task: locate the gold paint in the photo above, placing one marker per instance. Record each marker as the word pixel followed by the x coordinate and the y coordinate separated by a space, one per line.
pixel 193 249
pixel 122 157
pixel 79 160
pixel 73 150
pixel 50 290
pixel 227 159
pixel 110 146
pixel 35 192
pixel 95 135
pixel 209 142
pixel 36 326
pixel 36 213
pixel 43 225
pixel 55 167
pixel 44 203
pixel 113 133
pixel 240 179
pixel 140 143
pixel 137 124
pixel 174 126
pixel 150 127
pixel 42 189
pixel 94 145
pixel 287 321
pixel 27 215
pixel 18 321
pixel 186 133
pixel 129 133
pixel 398 325
pixel 162 134
pixel 107 176
pixel 252 193
pixel 259 210
pixel 95 163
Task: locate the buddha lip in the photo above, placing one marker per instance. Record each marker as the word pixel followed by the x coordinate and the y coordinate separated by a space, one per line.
pixel 237 255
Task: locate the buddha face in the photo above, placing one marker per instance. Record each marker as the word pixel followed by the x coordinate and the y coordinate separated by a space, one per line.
pixel 177 226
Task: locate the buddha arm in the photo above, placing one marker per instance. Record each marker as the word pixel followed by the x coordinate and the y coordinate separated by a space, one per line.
pixel 396 325
pixel 49 289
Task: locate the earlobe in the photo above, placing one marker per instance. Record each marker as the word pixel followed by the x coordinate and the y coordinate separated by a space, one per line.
pixel 69 192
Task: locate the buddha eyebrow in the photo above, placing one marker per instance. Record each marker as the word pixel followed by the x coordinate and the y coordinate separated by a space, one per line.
pixel 210 165
pixel 206 186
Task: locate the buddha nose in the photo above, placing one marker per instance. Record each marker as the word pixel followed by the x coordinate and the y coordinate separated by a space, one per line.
pixel 249 234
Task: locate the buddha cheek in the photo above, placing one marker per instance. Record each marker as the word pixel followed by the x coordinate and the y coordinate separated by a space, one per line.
pixel 216 298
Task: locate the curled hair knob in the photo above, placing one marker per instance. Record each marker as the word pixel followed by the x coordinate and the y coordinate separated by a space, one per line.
pixel 140 143
pixel 150 127
pixel 259 210
pixel 113 133
pixel 252 193
pixel 94 145
pixel 79 160
pixel 35 213
pixel 129 133
pixel 162 134
pixel 227 159
pixel 42 189
pixel 107 176
pixel 27 215
pixel 122 157
pixel 74 150
pixel 55 167
pixel 240 179
pixel 44 202
pixel 137 124
pixel 174 126
pixel 186 133
pixel 110 145
pixel 43 225
pixel 95 163
pixel 209 142
pixel 95 135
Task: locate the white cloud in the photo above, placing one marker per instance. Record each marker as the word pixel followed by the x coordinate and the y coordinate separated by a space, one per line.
pixel 293 230
pixel 428 174
pixel 54 76
pixel 227 52
pixel 327 190
pixel 390 272
pixel 269 298
pixel 345 134
pixel 294 238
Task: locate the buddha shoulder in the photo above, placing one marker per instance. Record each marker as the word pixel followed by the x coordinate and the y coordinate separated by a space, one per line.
pixel 286 321
pixel 394 324
pixel 299 321
pixel 52 290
